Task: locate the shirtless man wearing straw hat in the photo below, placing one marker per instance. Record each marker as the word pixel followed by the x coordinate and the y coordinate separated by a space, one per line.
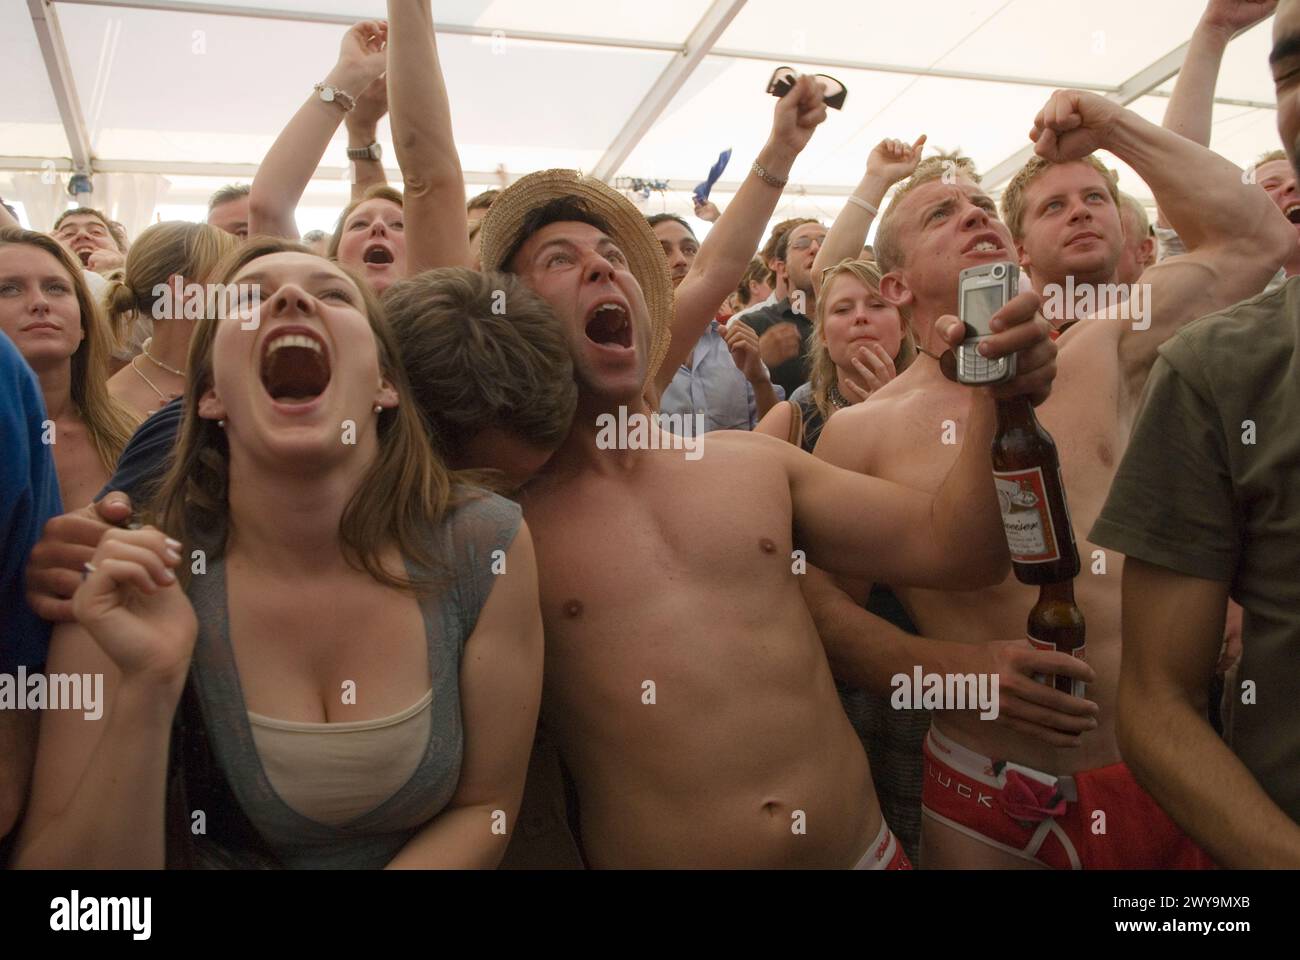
pixel 685 682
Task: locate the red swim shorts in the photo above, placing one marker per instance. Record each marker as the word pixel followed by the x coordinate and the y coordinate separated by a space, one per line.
pixel 1094 820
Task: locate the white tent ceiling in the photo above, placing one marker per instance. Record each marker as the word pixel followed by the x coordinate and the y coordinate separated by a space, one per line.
pixel 197 91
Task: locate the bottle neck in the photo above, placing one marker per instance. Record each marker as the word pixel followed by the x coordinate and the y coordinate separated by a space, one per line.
pixel 1015 413
pixel 1060 592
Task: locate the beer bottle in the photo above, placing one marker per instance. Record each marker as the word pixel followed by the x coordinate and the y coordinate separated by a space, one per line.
pixel 1056 623
pixel 1027 475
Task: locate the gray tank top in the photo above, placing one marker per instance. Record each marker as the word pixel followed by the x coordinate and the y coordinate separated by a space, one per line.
pixel 466 540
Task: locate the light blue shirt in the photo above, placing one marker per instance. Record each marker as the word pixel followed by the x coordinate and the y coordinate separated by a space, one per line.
pixel 713 386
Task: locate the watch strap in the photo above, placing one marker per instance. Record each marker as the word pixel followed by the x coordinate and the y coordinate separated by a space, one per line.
pixel 370 152
pixel 335 95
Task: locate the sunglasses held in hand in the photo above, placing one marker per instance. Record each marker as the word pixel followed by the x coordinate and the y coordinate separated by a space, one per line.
pixel 833 92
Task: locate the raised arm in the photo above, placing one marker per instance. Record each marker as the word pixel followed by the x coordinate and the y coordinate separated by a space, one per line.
pixel 292 160
pixel 433 187
pixel 500 689
pixel 1173 629
pixel 890 162
pixel 1235 236
pixel 730 245
pixel 1191 105
pixel 362 124
pixel 861 526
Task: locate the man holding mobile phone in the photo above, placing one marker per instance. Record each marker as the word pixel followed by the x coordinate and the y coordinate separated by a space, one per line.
pixel 701 724
pixel 996 795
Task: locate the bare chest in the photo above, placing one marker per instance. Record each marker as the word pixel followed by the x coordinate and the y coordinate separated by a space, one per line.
pixel 81 472
pixel 675 537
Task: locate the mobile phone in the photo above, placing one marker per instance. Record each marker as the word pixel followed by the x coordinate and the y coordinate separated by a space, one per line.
pixel 981 292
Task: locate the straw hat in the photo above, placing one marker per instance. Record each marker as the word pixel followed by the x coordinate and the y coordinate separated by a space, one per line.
pixel 627 227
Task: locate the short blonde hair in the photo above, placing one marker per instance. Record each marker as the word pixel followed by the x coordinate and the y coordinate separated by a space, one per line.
pixel 1013 198
pixel 1134 206
pixel 1271 156
pixel 889 251
pixel 821 366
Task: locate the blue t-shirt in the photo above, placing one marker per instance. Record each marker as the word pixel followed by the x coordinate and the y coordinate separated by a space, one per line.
pixel 29 496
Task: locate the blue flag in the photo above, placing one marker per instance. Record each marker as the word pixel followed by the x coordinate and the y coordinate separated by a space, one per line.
pixel 702 190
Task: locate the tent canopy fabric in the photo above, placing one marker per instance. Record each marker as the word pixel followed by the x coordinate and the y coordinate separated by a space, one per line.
pixel 194 93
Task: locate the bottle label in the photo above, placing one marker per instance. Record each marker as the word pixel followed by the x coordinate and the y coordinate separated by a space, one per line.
pixel 1031 535
pixel 1077 687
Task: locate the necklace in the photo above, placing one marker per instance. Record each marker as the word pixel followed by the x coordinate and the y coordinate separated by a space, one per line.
pixel 926 352
pixel 163 399
pixel 836 398
pixel 158 363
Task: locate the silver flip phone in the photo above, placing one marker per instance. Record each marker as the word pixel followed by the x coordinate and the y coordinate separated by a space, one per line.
pixel 982 292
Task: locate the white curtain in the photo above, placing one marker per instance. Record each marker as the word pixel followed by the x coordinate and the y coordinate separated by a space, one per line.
pixel 42 201
pixel 129 198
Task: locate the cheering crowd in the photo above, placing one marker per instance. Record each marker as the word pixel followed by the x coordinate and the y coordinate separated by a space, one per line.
pixel 338 523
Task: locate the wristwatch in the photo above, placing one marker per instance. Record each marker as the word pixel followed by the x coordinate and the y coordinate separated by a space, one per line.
pixel 372 152
pixel 335 95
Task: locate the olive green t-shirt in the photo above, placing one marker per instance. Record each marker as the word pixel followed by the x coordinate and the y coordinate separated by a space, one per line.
pixel 1210 488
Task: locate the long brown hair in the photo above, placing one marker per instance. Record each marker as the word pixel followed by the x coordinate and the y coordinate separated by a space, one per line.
pixel 108 422
pixel 822 374
pixel 403 496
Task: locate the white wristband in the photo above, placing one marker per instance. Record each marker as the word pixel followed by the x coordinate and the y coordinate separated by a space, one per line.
pixel 859 202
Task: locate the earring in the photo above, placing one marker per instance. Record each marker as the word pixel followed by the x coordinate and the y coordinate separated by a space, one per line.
pixel 379 408
pixel 221 424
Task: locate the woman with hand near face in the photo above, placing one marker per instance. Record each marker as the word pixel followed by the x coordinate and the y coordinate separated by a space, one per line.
pixel 859 343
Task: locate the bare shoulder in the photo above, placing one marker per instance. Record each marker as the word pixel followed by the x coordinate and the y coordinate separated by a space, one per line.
pixel 748 443
pixel 854 436
pixel 846 439
pixel 776 422
pixel 1090 339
